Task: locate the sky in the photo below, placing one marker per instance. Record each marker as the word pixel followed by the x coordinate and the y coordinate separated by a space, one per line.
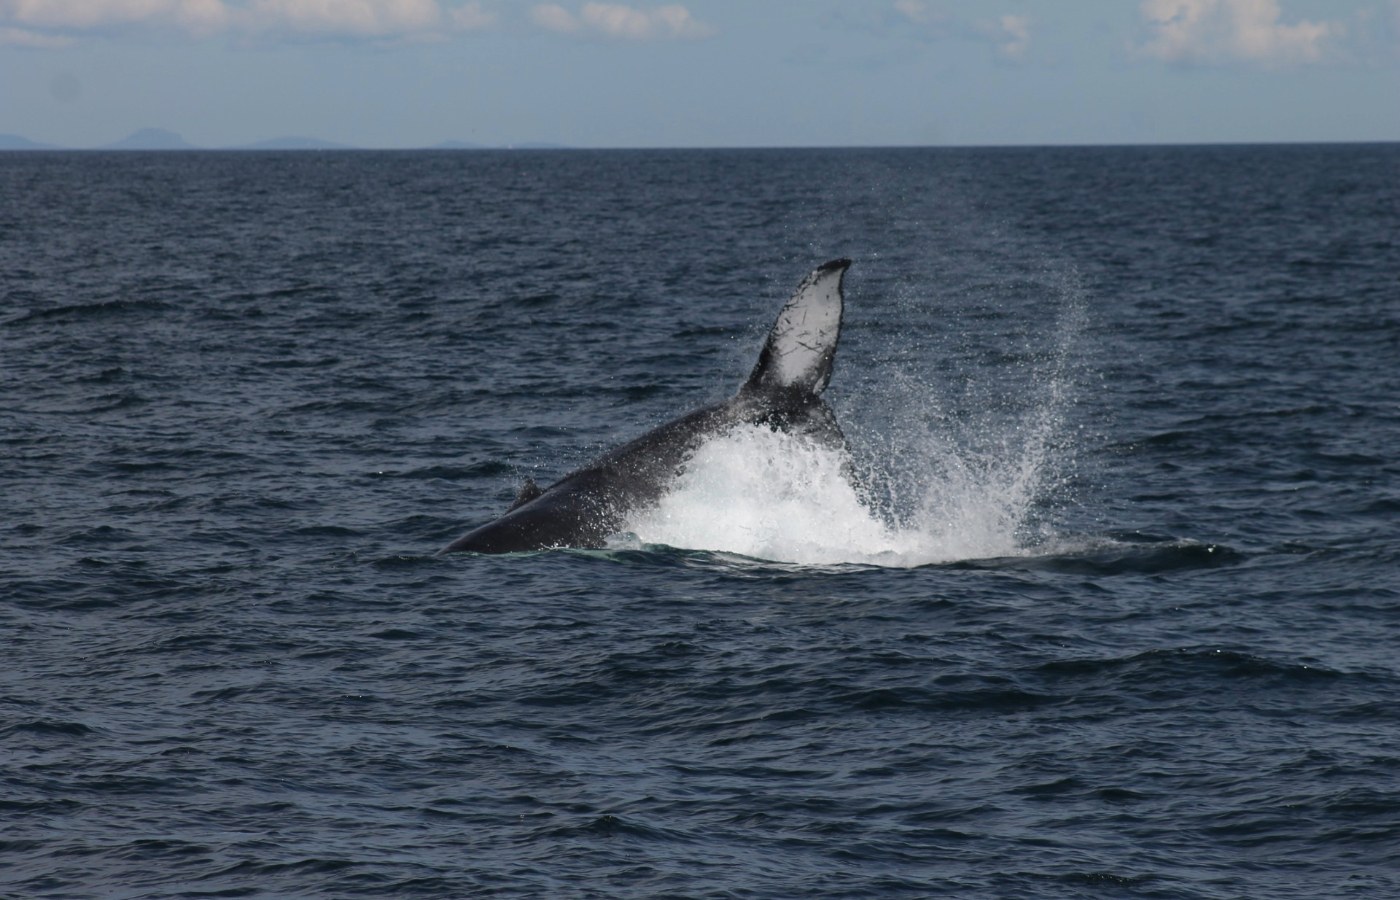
pixel 702 73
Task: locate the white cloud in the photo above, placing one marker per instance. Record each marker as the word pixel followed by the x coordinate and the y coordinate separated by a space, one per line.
pixel 917 11
pixel 56 22
pixel 20 37
pixel 1013 35
pixel 553 17
pixel 1009 34
pixel 473 16
pixel 1232 30
pixel 920 18
pixel 368 18
pixel 202 16
pixel 617 20
pixel 88 14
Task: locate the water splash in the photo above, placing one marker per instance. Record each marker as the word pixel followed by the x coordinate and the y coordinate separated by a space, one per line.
pixel 938 476
pixel 768 495
pixel 782 497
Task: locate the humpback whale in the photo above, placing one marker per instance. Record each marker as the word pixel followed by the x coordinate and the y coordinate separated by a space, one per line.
pixel 585 507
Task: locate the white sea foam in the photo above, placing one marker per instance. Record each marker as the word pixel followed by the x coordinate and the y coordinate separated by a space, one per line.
pixel 781 497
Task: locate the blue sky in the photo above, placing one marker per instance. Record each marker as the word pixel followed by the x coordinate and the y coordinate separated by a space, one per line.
pixel 702 73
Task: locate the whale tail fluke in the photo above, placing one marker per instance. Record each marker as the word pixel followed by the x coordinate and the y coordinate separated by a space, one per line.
pixel 798 355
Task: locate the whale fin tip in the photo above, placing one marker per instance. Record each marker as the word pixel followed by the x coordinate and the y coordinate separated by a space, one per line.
pixel 528 491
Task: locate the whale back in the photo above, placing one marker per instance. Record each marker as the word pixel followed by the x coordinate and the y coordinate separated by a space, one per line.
pixel 783 392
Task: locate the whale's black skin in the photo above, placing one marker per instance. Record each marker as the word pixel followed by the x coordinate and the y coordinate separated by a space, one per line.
pixel 784 391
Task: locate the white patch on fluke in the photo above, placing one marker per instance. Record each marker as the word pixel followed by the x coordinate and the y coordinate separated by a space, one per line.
pixel 805 329
pixel 803 339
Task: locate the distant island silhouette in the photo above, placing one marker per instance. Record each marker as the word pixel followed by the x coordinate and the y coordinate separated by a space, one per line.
pixel 147 139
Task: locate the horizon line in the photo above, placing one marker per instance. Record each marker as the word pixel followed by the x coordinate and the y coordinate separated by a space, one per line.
pixel 310 145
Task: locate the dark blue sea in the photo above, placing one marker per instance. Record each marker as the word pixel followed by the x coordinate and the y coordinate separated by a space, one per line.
pixel 1107 606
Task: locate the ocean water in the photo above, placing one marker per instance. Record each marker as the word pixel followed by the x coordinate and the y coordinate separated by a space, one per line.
pixel 1111 607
